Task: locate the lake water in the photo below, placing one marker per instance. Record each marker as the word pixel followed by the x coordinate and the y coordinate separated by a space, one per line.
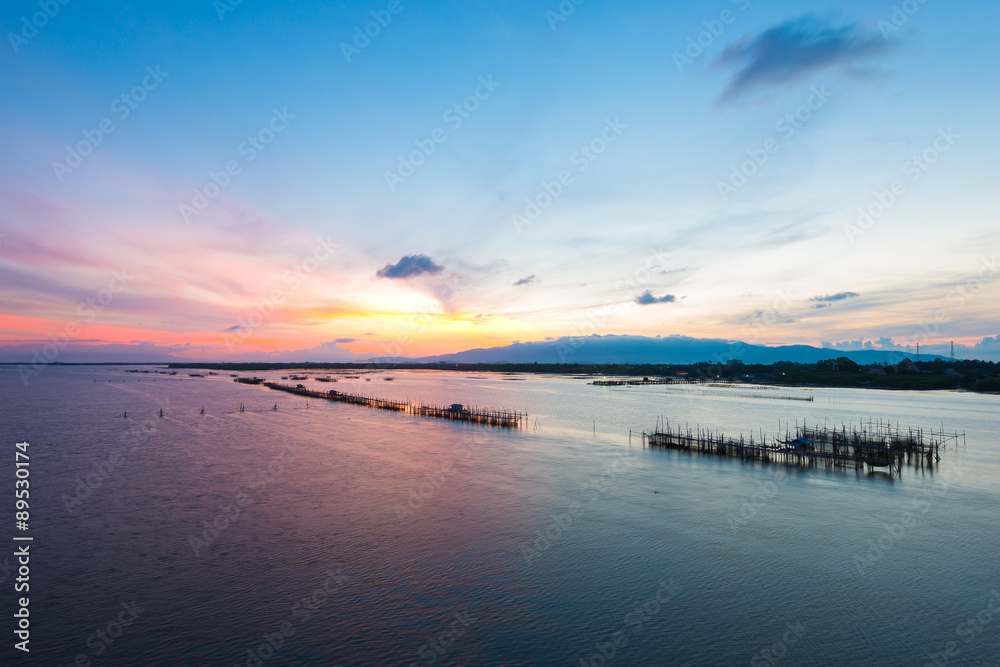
pixel 350 536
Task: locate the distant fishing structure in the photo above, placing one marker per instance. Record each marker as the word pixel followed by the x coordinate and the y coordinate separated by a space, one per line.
pixel 770 395
pixel 872 444
pixel 456 411
pixel 697 386
pixel 646 380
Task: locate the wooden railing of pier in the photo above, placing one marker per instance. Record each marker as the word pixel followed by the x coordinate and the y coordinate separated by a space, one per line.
pixel 500 418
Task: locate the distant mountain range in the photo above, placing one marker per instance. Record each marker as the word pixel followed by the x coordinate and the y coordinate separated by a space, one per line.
pixel 613 349
pixel 609 349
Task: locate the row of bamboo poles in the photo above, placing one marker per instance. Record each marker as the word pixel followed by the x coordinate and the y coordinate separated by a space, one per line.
pixel 488 417
pixel 875 445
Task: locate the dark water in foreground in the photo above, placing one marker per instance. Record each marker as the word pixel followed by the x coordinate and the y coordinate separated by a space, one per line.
pixel 353 536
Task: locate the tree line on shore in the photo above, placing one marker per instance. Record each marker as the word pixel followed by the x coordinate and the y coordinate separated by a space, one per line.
pixel 841 372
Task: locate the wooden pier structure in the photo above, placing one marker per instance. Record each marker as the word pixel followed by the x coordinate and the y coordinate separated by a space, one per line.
pixel 871 444
pixel 456 412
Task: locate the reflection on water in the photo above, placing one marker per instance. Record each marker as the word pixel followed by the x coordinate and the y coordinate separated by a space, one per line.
pixel 322 533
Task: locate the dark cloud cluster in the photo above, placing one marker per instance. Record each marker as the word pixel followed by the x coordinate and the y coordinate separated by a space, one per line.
pixel 647 298
pixel 410 266
pixel 792 51
pixel 828 299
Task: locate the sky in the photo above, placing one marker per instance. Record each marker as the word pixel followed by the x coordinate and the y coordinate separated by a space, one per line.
pixel 334 181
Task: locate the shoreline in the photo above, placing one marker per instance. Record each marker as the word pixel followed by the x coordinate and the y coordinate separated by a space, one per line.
pixel 699 373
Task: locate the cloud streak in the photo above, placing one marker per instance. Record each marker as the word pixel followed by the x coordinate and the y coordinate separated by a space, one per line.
pixel 525 281
pixel 839 296
pixel 828 300
pixel 792 51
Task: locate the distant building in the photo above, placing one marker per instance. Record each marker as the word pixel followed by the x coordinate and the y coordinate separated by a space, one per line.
pixel 876 371
pixel 955 374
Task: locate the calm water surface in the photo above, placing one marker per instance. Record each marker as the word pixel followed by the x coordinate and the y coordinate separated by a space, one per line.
pixel 359 537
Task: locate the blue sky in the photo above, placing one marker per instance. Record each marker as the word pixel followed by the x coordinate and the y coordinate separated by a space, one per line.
pixel 652 207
